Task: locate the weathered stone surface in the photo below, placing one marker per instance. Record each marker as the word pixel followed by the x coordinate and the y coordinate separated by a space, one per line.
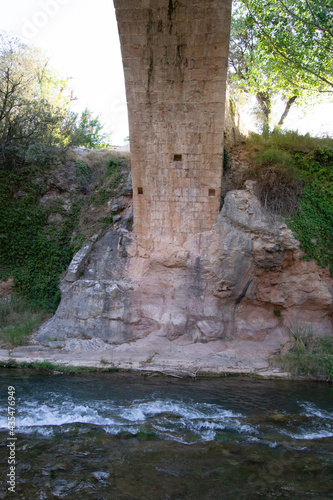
pixel 242 281
pixel 76 267
pixel 175 64
pixel 191 286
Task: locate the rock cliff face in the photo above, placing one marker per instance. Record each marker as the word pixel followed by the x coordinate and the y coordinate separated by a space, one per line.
pixel 244 280
pixel 190 284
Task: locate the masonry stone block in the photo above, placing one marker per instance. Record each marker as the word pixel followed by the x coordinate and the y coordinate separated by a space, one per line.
pixel 175 65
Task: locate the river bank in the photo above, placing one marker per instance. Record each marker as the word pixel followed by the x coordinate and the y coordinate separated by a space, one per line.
pixel 174 358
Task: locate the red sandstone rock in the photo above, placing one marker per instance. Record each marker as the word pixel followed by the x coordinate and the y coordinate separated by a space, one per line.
pixel 245 280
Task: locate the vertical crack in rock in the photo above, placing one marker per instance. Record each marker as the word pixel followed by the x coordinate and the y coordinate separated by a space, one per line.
pixel 150 23
pixel 237 302
pixel 242 295
pixel 170 9
pixel 197 278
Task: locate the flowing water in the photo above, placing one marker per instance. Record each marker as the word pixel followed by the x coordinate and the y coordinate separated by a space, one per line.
pixel 122 436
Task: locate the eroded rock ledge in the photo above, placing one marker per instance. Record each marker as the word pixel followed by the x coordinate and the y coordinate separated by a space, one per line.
pixel 240 284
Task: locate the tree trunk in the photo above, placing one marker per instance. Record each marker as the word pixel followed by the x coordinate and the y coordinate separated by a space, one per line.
pixel 265 105
pixel 290 102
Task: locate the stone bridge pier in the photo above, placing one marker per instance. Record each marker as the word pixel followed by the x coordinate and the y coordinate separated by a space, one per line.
pixel 191 285
pixel 175 56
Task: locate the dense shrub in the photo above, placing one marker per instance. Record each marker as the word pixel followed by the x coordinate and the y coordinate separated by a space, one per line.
pixel 310 356
pixel 313 224
pixel 108 181
pixel 32 251
pixel 295 179
pixel 18 319
pixel 279 185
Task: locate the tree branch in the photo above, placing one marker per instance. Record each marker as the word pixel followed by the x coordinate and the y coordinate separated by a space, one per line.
pixel 284 56
pixel 315 20
pixel 303 20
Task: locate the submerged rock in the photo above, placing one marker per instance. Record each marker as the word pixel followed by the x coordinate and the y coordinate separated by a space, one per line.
pixel 100 475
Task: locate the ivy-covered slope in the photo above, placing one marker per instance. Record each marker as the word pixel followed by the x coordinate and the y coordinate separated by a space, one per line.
pixel 295 179
pixel 48 210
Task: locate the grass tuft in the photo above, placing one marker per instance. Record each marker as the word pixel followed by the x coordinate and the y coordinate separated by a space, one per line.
pixel 18 319
pixel 47 366
pixel 309 356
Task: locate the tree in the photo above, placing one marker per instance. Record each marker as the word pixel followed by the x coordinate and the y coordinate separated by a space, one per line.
pixel 297 36
pixel 250 73
pixel 282 47
pixel 33 102
pixel 35 114
pixel 88 131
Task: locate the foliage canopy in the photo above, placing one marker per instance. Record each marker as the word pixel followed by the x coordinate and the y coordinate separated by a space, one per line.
pixel 296 38
pixel 88 131
pixel 35 110
pixel 282 47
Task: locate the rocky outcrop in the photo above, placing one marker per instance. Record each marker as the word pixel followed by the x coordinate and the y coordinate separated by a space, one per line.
pixel 243 281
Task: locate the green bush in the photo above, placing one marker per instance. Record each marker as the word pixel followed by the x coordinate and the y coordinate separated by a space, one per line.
pixel 33 251
pixel 313 225
pixel 87 131
pixel 295 179
pixel 18 319
pixel 83 173
pixel 317 167
pixel 114 166
pixel 310 356
pixel 288 140
pixel 42 154
pixel 279 185
pixel 108 181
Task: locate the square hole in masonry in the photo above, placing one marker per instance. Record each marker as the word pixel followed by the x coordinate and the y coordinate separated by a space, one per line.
pixel 211 192
pixel 140 190
pixel 177 158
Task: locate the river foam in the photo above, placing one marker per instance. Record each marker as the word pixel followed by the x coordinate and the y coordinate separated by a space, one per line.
pixel 185 414
pixel 183 421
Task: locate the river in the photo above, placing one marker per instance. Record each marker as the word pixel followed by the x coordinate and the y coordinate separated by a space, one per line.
pixel 126 436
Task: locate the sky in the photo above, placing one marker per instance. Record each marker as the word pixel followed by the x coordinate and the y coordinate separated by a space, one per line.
pixel 81 39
